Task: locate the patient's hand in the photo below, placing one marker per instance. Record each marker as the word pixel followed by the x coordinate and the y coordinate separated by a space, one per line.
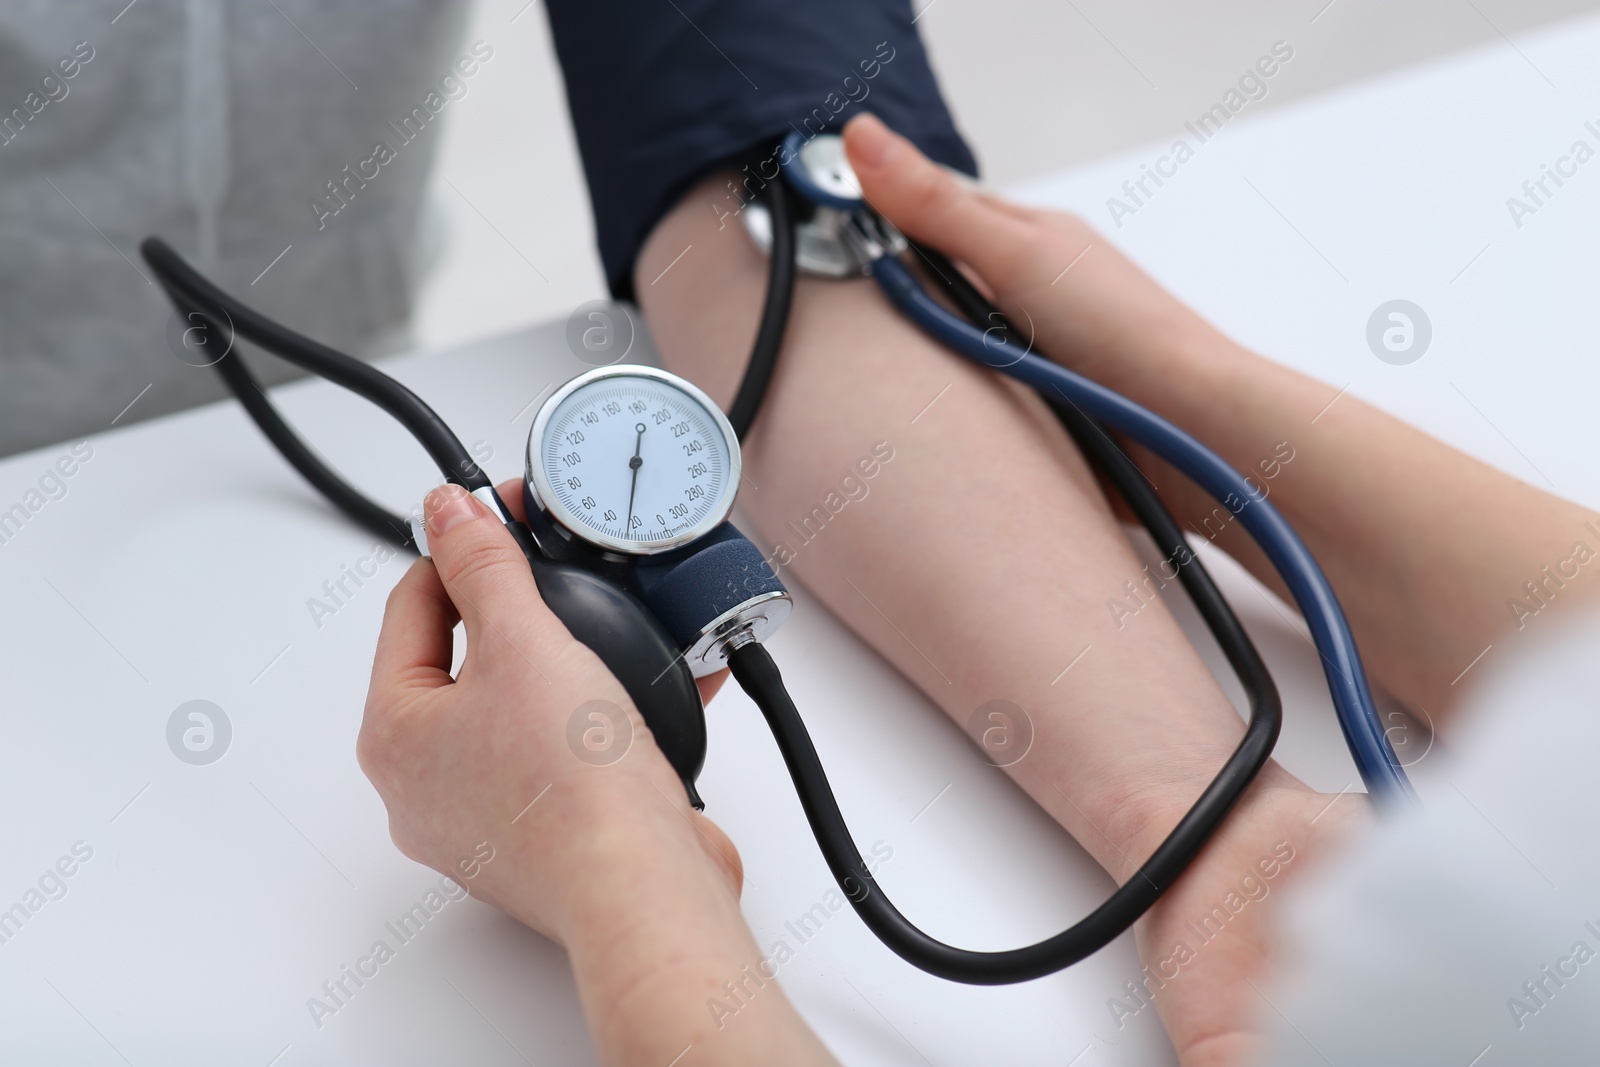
pixel 1208 945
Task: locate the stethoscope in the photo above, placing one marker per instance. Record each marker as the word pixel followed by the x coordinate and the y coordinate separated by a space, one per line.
pixel 631 474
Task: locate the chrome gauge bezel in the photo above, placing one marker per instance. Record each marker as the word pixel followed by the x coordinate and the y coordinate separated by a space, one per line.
pixel 547 501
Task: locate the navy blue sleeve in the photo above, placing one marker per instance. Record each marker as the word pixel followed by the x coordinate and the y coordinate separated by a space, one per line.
pixel 664 91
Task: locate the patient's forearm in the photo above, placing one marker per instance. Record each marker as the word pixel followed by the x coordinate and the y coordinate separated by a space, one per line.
pixel 980 559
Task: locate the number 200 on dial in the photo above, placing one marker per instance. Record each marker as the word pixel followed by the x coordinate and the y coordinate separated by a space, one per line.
pixel 633 459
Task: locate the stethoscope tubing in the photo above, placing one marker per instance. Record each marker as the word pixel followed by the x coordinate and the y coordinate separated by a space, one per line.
pixel 1379 767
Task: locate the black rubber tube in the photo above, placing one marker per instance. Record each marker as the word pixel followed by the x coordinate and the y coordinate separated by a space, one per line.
pixel 369 515
pixel 630 640
pixel 759 677
pixel 774 311
pixel 193 294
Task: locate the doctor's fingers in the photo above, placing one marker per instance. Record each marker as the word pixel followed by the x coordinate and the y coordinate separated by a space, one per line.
pixel 411 661
pixel 931 205
pixel 487 578
pixel 414 645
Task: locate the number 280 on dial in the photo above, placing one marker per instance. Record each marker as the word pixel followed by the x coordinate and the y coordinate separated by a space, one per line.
pixel 633 459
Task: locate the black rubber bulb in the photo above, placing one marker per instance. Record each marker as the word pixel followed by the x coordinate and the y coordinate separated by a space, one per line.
pixel 629 641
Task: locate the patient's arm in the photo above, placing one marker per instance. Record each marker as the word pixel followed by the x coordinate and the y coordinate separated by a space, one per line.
pixel 980 564
pixel 980 560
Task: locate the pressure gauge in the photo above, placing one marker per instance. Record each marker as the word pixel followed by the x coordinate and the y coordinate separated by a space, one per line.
pixel 633 460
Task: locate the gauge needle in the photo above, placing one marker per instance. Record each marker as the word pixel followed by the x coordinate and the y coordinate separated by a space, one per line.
pixel 636 462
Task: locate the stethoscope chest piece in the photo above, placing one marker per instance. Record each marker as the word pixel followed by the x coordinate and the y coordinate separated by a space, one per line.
pixel 830 206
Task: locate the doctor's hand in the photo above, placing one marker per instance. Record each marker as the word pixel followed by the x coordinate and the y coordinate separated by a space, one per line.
pixel 1066 287
pixel 604 855
pixel 607 858
pixel 481 763
pixel 1425 594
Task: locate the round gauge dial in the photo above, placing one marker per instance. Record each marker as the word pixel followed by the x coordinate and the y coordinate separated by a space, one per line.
pixel 633 459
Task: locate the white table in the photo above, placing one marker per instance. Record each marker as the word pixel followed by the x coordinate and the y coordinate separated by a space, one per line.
pixel 178 566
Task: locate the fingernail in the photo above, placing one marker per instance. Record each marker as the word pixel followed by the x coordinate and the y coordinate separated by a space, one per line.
pixel 870 140
pixel 449 506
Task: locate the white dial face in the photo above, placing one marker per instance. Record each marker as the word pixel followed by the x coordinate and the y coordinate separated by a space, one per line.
pixel 634 460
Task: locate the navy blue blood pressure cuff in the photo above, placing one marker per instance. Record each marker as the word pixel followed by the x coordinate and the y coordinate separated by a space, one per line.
pixel 664 91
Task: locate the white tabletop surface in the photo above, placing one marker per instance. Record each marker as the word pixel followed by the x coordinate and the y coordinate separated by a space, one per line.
pixel 178 566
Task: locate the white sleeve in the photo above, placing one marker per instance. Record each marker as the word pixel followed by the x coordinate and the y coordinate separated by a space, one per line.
pixel 1468 932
